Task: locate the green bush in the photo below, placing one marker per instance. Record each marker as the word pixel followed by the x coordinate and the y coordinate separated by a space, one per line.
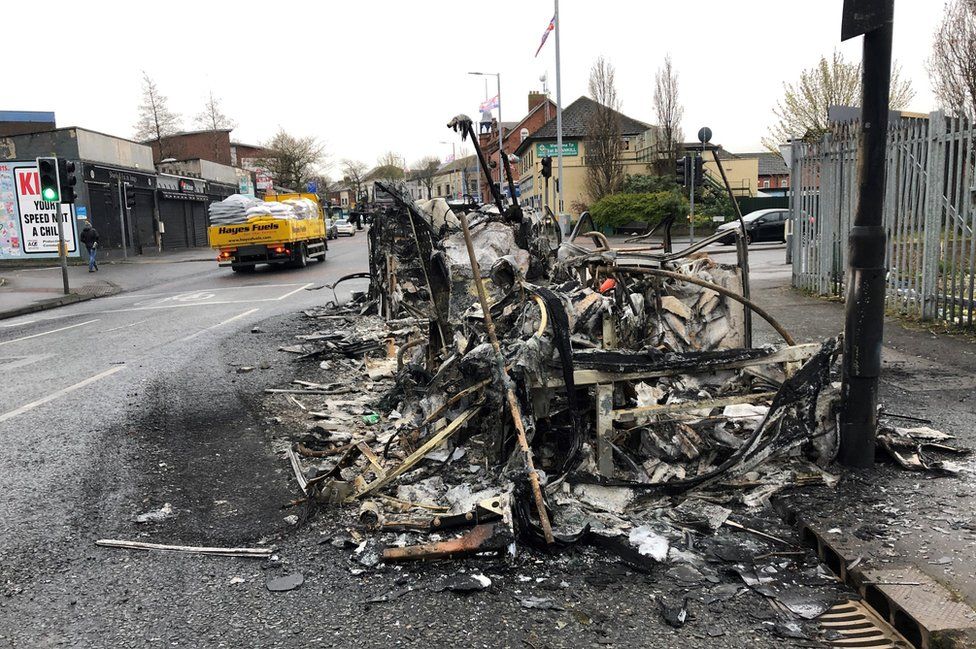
pixel 650 208
pixel 647 184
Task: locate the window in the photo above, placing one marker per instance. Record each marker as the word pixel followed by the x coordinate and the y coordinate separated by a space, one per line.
pixel 784 182
pixel 765 184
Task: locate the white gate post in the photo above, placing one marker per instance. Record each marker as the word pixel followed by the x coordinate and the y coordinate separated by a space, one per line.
pixel 932 217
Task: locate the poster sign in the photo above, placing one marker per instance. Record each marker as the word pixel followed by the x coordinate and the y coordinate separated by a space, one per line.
pixel 263 180
pixel 29 225
pixel 543 149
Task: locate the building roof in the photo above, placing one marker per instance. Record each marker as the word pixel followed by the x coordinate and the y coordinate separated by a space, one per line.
pixel 770 164
pixel 456 165
pixel 577 115
pixel 44 116
pixel 197 132
pixel 723 154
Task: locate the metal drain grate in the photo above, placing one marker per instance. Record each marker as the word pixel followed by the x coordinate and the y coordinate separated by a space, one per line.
pixel 858 626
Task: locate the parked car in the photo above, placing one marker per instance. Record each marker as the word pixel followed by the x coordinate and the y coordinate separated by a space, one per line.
pixel 331 231
pixel 345 226
pixel 761 225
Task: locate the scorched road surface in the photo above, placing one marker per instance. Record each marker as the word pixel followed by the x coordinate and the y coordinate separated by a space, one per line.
pixel 143 404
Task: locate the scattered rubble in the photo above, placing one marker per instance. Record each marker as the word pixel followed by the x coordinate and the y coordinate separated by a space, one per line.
pixel 500 387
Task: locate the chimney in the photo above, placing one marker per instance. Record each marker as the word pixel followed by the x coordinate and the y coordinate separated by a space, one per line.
pixel 536 98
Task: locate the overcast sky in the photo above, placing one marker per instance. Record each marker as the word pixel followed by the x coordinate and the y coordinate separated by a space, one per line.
pixel 374 75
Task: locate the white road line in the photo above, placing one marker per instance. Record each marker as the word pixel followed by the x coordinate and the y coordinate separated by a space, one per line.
pixel 23 362
pixel 60 393
pixel 126 326
pixel 17 324
pixel 183 306
pixel 220 324
pixel 44 333
pixel 300 288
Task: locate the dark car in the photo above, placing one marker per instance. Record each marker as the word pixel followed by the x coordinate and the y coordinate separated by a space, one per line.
pixel 761 225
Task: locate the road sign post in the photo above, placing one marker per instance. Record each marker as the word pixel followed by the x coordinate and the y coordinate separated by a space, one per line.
pixel 50 188
pixel 864 322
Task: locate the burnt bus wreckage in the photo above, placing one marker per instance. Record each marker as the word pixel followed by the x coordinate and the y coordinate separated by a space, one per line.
pixel 548 393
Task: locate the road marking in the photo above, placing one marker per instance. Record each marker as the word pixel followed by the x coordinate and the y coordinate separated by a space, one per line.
pixel 300 288
pixel 60 393
pixel 219 324
pixel 125 326
pixel 22 361
pixel 17 324
pixel 44 333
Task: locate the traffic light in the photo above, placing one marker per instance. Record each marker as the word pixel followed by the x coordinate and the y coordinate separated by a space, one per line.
pixel 130 197
pixel 681 171
pixel 47 170
pixel 547 167
pixel 67 180
pixel 699 171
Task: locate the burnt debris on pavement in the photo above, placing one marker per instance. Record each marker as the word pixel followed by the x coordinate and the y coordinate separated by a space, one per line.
pixel 501 386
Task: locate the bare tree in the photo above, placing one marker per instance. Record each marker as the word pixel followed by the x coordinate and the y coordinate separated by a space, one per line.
pixel 802 112
pixel 952 65
pixel 389 167
pixel 293 161
pixel 156 120
pixel 668 111
pixel 354 173
pixel 425 168
pixel 212 119
pixel 604 173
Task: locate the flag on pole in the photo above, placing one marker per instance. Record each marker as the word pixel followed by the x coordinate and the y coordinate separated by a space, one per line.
pixel 489 104
pixel 545 34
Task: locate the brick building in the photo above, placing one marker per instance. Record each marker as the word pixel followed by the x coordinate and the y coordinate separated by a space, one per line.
pixel 23 122
pixel 194 145
pixel 541 109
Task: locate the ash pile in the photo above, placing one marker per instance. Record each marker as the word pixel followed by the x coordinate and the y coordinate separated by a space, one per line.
pixel 526 390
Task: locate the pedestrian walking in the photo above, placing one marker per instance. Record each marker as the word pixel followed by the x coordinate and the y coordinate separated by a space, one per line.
pixel 89 237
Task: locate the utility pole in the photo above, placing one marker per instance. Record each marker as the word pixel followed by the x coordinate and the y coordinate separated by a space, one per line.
pixel 125 246
pixel 691 197
pixel 559 118
pixel 864 323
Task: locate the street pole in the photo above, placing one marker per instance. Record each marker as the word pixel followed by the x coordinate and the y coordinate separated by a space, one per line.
pixel 559 117
pixel 62 251
pixel 125 247
pixel 498 87
pixel 691 197
pixel 864 323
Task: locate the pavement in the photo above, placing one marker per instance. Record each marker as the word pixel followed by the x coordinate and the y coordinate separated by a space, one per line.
pixel 39 287
pixel 114 407
pixel 888 521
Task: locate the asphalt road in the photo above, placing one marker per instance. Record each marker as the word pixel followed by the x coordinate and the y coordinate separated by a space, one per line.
pixel 115 407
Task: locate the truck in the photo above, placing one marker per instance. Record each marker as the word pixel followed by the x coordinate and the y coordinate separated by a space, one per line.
pixel 266 239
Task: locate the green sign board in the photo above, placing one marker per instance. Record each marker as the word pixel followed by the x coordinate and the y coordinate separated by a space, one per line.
pixel 543 149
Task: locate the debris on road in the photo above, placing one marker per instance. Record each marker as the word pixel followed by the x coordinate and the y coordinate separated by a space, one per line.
pixel 285 583
pixel 504 387
pixel 259 553
pixel 156 515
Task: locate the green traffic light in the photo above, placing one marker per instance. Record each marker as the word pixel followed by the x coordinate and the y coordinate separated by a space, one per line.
pixel 49 194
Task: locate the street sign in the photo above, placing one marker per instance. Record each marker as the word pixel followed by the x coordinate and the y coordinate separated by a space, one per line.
pixel 28 224
pixel 543 149
pixel 313 187
pixel 863 16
